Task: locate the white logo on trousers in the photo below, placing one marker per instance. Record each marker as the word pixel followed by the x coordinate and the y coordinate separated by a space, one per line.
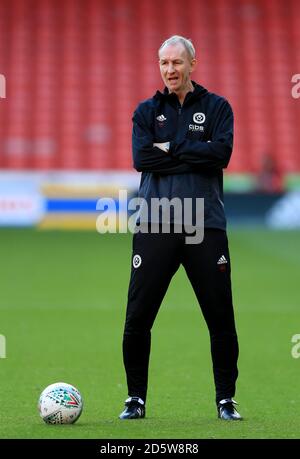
pixel 137 261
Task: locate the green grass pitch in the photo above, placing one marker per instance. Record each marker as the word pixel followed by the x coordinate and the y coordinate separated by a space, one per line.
pixel 62 309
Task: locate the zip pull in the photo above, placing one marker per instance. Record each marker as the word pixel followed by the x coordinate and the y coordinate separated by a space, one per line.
pixel 179 111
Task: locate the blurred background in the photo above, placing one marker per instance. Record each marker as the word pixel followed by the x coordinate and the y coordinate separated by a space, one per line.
pixel 71 74
pixel 75 70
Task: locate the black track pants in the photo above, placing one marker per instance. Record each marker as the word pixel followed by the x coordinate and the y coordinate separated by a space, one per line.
pixel 156 258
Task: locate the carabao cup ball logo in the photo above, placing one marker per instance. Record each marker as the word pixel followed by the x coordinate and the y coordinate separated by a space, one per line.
pixel 199 118
pixel 137 261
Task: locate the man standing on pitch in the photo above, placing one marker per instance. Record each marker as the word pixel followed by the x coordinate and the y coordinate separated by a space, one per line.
pixel 182 140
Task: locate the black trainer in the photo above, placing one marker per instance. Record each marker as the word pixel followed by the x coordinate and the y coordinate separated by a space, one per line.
pixel 227 411
pixel 134 409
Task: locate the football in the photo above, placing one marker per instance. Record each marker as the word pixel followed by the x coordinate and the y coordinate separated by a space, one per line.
pixel 60 403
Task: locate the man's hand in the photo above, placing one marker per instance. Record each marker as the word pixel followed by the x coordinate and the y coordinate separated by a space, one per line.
pixel 165 146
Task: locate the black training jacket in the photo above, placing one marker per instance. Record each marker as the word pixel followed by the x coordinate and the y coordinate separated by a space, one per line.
pixel 200 133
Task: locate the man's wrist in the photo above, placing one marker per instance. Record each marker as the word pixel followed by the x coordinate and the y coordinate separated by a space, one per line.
pixel 164 146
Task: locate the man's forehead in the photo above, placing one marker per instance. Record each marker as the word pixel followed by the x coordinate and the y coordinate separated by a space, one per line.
pixel 173 51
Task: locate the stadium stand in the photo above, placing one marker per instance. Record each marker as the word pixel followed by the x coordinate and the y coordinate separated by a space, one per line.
pixel 75 70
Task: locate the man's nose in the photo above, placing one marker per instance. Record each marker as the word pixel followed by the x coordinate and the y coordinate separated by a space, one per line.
pixel 170 68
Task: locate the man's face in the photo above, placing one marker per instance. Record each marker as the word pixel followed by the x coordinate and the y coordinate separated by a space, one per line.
pixel 176 67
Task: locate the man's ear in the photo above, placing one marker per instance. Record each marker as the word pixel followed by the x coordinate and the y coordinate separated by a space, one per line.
pixel 193 65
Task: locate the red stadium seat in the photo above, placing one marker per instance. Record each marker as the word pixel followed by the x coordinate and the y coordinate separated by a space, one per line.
pixel 76 70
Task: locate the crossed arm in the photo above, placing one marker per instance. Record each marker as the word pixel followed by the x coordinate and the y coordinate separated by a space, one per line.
pixel 185 155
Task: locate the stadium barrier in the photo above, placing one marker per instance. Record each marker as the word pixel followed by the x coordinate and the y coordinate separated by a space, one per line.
pixel 68 200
